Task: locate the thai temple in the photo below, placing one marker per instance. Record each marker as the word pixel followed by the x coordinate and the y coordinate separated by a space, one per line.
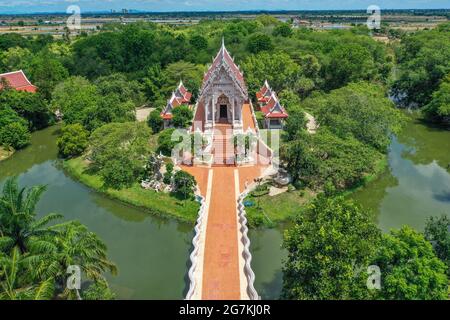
pixel 17 80
pixel 179 97
pixel 274 113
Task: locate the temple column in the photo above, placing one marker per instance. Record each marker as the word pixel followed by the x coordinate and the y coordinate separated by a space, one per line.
pixel 232 110
pixel 214 109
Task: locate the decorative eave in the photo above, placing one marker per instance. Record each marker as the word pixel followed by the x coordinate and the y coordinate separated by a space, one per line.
pixel 224 59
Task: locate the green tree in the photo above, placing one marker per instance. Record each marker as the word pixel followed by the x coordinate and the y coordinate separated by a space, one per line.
pixel 283 29
pixel 295 123
pixel 361 110
pixel 118 173
pixel 259 42
pixel 198 42
pixel 424 60
pixel 15 135
pixel 30 106
pixel 18 225
pixel 182 116
pixel 46 72
pixel 165 142
pixel 123 147
pixel 125 89
pixel 349 63
pixel 184 184
pixel 437 231
pixel 15 280
pixel 16 58
pixel 278 68
pixel 439 106
pixel 191 74
pixel 155 121
pixel 410 269
pixel 73 97
pixel 329 249
pixel 73 141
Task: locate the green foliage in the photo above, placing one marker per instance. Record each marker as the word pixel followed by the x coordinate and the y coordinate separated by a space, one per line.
pixel 289 99
pixel 182 116
pixel 34 256
pixel 119 151
pixel 155 121
pixel 125 89
pixel 410 269
pixel 184 184
pixel 191 74
pixel 118 173
pixel 327 246
pixel 278 68
pixel 30 106
pixel 73 141
pixel 424 60
pixel 165 143
pixel 295 123
pixel 198 42
pixel 81 102
pixel 98 291
pixel 324 157
pixel 46 71
pixel 437 231
pixel 15 135
pixel 360 110
pixel 283 29
pixel 349 63
pixel 439 106
pixel 73 97
pixel 259 42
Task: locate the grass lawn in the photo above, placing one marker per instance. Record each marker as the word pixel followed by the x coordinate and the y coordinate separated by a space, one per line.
pixel 276 209
pixel 161 204
pixel 4 154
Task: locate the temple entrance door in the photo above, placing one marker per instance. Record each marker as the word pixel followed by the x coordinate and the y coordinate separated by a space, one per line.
pixel 223 112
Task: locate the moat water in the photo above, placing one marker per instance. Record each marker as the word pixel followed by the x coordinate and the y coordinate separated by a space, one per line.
pixel 152 254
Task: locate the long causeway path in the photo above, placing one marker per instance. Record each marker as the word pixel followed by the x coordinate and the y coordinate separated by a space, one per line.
pixel 221 264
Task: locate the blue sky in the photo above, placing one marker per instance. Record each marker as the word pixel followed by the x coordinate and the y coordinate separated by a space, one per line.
pixel 27 6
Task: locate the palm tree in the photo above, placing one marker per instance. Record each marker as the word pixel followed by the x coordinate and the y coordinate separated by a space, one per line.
pixel 76 245
pixel 34 257
pixel 18 224
pixel 17 282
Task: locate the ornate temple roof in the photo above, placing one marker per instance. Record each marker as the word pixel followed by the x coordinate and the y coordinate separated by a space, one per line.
pixel 18 80
pixel 223 58
pixel 264 94
pixel 180 96
pixel 273 108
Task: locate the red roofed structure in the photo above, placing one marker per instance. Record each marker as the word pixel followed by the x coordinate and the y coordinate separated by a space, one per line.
pixel 274 112
pixel 17 80
pixel 264 94
pixel 180 96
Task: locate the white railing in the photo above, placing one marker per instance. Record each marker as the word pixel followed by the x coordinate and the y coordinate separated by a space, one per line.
pixel 195 251
pixel 248 272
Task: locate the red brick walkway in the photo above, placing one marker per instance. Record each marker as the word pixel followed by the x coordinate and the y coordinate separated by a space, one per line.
pixel 221 274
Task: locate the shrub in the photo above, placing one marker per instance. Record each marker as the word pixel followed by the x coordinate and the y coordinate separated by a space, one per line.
pixel 16 135
pixel 73 140
pixel 155 121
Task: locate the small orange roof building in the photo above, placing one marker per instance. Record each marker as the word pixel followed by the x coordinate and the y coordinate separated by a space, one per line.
pixel 17 80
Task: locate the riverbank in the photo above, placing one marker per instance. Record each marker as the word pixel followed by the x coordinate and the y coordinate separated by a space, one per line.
pixel 5 154
pixel 271 211
pixel 156 203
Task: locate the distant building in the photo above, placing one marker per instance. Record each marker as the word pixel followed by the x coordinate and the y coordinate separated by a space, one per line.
pixel 270 106
pixel 17 80
pixel 179 97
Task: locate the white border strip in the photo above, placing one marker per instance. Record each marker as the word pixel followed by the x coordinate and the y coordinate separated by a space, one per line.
pixel 197 256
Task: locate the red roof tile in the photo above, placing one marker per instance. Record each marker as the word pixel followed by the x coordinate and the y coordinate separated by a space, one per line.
pixel 18 80
pixel 224 55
